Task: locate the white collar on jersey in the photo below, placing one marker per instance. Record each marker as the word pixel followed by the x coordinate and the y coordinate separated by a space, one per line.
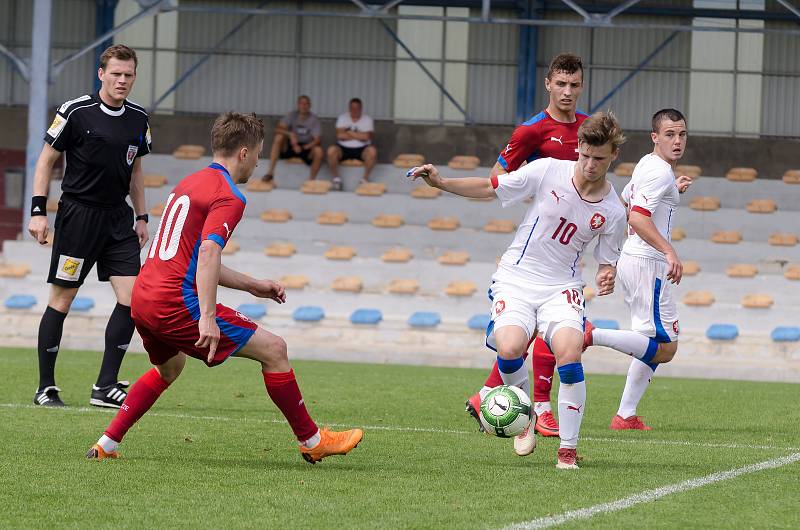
pixel 112 112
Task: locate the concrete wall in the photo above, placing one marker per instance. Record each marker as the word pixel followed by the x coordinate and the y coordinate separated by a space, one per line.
pixel 438 143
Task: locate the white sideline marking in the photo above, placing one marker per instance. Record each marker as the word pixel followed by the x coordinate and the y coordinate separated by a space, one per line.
pixel 654 494
pixel 398 428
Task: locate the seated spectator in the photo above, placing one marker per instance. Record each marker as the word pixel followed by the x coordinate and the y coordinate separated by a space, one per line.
pixel 297 135
pixel 353 141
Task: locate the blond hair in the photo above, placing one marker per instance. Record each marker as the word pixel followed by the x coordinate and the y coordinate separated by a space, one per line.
pixel 233 130
pixel 601 128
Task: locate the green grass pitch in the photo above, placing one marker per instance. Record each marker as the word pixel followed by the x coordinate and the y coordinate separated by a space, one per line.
pixel 215 453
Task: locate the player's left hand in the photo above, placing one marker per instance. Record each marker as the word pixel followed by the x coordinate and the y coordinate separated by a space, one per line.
pixel 209 335
pixel 683 182
pixel 142 233
pixel 605 280
pixel 269 289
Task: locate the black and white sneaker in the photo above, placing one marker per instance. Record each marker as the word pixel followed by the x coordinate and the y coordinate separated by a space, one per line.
pixel 110 396
pixel 48 397
pixel 336 184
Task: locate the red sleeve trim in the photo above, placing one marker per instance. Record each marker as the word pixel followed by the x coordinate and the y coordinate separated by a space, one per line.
pixel 494 181
pixel 641 211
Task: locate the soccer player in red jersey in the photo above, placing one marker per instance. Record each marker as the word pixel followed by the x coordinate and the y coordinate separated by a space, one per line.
pixel 553 133
pixel 174 298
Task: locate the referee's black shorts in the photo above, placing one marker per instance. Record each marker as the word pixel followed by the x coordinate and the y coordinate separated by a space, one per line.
pixel 84 236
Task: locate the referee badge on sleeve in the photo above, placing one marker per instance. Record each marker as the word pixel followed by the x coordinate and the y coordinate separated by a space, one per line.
pixel 57 126
pixel 69 268
pixel 132 150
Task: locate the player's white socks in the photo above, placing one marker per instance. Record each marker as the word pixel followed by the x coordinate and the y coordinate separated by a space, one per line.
pixel 514 373
pixel 311 442
pixel 540 407
pixel 639 376
pixel 628 342
pixel 571 402
pixel 108 445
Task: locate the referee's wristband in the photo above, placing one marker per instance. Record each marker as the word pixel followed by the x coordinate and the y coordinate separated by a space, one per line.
pixel 38 205
pixel 144 217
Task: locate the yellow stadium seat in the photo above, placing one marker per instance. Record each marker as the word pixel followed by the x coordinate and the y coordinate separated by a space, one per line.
pixel 741 270
pixel 444 223
pixel 761 206
pixel 792 272
pixel 501 226
pixel 14 270
pixel 464 162
pixel 792 176
pixel 690 268
pixel 371 189
pixel 157 209
pixel 280 250
pixel 388 221
pixel 706 204
pixel 154 181
pixel 294 281
pixel 340 253
pixel 425 192
pixel 454 257
pixel 397 255
pixel 741 174
pixel 258 185
pixel 316 187
pixel 757 301
pixel 730 237
pixel 678 234
pixel 231 247
pixel 690 171
pixel 352 284
pixel 460 288
pixel 189 152
pixel 403 286
pixel 408 160
pixel 699 298
pixel 783 240
pixel 276 216
pixel 625 169
pixel 332 218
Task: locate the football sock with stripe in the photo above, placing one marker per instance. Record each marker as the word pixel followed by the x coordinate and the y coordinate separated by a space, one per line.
pixel 626 341
pixel 50 329
pixel 284 392
pixel 144 393
pixel 514 373
pixel 571 403
pixel 639 376
pixel 494 379
pixel 119 331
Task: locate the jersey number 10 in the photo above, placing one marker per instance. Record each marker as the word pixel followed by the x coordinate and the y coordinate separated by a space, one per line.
pixel 168 235
pixel 566 234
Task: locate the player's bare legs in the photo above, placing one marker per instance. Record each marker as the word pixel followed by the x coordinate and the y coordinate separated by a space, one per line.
pixel 316 161
pixel 144 393
pixel 512 343
pixel 334 155
pixel 567 345
pixel 370 158
pixel 270 350
pixel 278 144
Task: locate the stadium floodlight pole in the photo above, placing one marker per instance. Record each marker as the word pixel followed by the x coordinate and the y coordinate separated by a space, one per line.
pixel 578 9
pixel 619 9
pixel 37 99
pixel 486 9
pixel 790 7
pixel 18 63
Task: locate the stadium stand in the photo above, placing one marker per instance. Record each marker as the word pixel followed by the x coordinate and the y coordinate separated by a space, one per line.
pixel 728 237
pixel 82 303
pixel 403 286
pixel 424 319
pixel 20 301
pixel 340 253
pixel 467 162
pixel 605 323
pixel 294 281
pixel 14 270
pixel 785 334
pixel 280 250
pixel 761 206
pixel 258 185
pixel 792 176
pixel 155 181
pixel 350 284
pixel 408 160
pixel 741 174
pixel 461 288
pixel 757 301
pixel 366 316
pixel 444 223
pixel 741 270
pixel 500 226
pixel 688 170
pixel 370 189
pixel 231 247
pixel 332 218
pixel 698 298
pixel 425 192
pixel 316 187
pixel 189 152
pixel 783 240
pixel 625 169
pixel 706 204
pixel 722 332
pixel 691 268
pixel 478 322
pixel 388 221
pixel 397 255
pixel 454 258
pixel 276 216
pixel 678 234
pixel 308 314
pixel 252 311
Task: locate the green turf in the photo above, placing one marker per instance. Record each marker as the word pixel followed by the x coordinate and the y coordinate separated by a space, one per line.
pixel 214 453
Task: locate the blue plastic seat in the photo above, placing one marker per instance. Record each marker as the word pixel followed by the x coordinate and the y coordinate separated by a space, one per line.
pixel 424 319
pixel 81 303
pixel 479 321
pixel 722 332
pixel 252 311
pixel 366 316
pixel 308 313
pixel 602 323
pixel 786 334
pixel 20 301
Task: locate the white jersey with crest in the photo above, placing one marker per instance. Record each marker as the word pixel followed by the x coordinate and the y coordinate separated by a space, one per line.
pixel 558 225
pixel 653 192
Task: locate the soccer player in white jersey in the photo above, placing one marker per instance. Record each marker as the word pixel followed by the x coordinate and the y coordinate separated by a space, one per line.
pixel 649 266
pixel 538 282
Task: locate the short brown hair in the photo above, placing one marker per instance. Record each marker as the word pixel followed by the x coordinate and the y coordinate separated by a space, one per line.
pixel 565 62
pixel 120 52
pixel 601 128
pixel 666 114
pixel 232 131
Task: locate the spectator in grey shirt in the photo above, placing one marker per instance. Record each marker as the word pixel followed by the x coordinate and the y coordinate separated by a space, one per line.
pixel 297 135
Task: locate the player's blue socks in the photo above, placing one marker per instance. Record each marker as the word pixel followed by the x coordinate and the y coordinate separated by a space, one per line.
pixel 571 402
pixel 514 373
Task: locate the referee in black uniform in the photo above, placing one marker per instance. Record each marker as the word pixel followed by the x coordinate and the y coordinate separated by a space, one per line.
pixel 104 136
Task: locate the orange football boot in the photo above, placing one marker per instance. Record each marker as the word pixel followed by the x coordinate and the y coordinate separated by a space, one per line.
pixel 332 443
pixel 97 453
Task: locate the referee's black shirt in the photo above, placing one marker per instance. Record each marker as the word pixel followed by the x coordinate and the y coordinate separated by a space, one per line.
pixel 102 143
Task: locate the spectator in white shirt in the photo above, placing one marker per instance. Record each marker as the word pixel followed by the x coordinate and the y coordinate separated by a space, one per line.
pixel 353 141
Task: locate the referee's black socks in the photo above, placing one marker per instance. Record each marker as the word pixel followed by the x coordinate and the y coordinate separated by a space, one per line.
pixel 118 336
pixel 50 329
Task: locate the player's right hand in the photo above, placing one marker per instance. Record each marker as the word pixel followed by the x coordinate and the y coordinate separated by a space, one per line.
pixel 38 228
pixel 683 182
pixel 674 267
pixel 209 335
pixel 428 172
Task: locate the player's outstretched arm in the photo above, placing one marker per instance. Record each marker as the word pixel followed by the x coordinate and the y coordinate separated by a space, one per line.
pixel 606 274
pixel 209 263
pixel 646 229
pixel 472 187
pixel 261 288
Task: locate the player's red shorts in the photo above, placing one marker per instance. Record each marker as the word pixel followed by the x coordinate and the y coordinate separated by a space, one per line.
pixel 163 338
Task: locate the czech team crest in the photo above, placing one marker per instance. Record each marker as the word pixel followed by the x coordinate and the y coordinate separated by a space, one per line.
pixel 597 221
pixel 132 150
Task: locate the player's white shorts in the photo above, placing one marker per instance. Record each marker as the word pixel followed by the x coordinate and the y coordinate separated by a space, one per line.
pixel 530 306
pixel 650 296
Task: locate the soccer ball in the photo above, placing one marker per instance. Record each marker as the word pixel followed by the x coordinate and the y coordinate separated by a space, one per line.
pixel 506 411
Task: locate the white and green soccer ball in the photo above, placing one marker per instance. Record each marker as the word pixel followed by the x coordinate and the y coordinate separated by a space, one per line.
pixel 506 411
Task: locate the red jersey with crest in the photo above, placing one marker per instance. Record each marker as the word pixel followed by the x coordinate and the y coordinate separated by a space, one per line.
pixel 203 206
pixel 542 137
